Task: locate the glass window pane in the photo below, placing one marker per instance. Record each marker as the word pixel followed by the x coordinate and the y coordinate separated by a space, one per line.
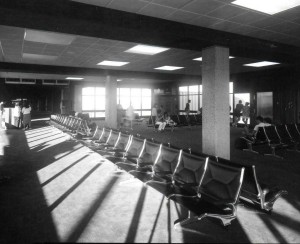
pixel 88 91
pixel 138 112
pixel 88 103
pixel 183 90
pixel 182 101
pixel 194 102
pixel 91 114
pixel 136 92
pixel 100 114
pixel 231 102
pixel 125 102
pixel 146 103
pixel 136 102
pixel 230 87
pixel 146 113
pixel 200 101
pixel 125 92
pixel 193 89
pixel 100 103
pixel 201 89
pixel 100 91
pixel 146 92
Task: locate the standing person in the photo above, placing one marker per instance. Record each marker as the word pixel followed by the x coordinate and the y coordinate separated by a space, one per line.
pixel 246 113
pixel 187 107
pixel 17 115
pixel 26 110
pixel 1 115
pixel 154 113
pixel 162 110
pixel 237 113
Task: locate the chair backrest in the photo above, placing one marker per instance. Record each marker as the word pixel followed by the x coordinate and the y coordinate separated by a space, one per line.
pixel 293 131
pixel 271 134
pixel 123 141
pixel 167 160
pixel 221 183
pixel 283 133
pixel 104 135
pixel 175 118
pixel 190 168
pixel 136 147
pixel 250 184
pixel 113 138
pixel 150 152
pixel 260 135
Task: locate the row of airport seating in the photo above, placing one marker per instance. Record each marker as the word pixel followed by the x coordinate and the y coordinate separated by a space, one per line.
pixel 270 139
pixel 214 184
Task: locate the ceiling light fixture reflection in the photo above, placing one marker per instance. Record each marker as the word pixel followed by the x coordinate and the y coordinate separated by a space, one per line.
pixel 268 6
pixel 200 58
pixel 169 68
pixel 146 49
pixel 112 63
pixel 74 78
pixel 261 64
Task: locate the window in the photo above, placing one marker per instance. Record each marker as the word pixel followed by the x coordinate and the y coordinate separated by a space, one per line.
pixel 193 93
pixel 140 99
pixel 93 101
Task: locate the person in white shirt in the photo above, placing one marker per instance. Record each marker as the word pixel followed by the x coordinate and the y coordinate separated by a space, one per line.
pixel 154 112
pixel 259 123
pixel 17 115
pixel 26 110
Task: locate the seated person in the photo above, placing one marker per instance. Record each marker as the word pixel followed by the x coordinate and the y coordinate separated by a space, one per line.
pixel 168 120
pixel 259 123
pixel 160 121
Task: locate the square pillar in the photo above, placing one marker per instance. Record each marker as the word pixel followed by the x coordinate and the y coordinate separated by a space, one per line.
pixel 111 102
pixel 215 110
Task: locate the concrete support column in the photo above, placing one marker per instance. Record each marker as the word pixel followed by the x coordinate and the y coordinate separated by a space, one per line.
pixel 215 110
pixel 111 102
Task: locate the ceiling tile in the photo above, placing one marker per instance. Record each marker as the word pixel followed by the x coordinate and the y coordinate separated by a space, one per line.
pixel 289 14
pixel 202 6
pixel 127 5
pixel 206 21
pixel 248 17
pixel 226 12
pixel 283 27
pixel 244 29
pixel 156 10
pixel 172 3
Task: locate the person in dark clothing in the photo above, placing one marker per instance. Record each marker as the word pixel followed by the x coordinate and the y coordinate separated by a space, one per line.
pixel 237 113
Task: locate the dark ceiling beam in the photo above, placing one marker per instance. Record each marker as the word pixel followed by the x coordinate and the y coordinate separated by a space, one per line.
pixel 64 70
pixel 87 20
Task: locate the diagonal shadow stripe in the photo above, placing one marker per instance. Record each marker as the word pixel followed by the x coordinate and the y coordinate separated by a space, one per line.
pixel 274 230
pixel 169 222
pixel 136 217
pixel 83 223
pixel 68 192
pixel 31 132
pixel 49 140
pixel 64 170
pixel 156 219
pixel 42 138
pixel 29 137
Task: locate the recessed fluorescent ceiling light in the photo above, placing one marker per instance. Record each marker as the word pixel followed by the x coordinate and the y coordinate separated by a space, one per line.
pixel 145 49
pixel 268 6
pixel 200 59
pixel 39 57
pixel 112 63
pixel 261 64
pixel 74 78
pixel 48 37
pixel 169 68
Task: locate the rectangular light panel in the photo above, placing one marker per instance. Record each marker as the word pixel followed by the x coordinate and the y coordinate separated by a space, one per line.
pixel 268 6
pixel 147 50
pixel 48 37
pixel 112 63
pixel 169 67
pixel 261 64
pixel 74 78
